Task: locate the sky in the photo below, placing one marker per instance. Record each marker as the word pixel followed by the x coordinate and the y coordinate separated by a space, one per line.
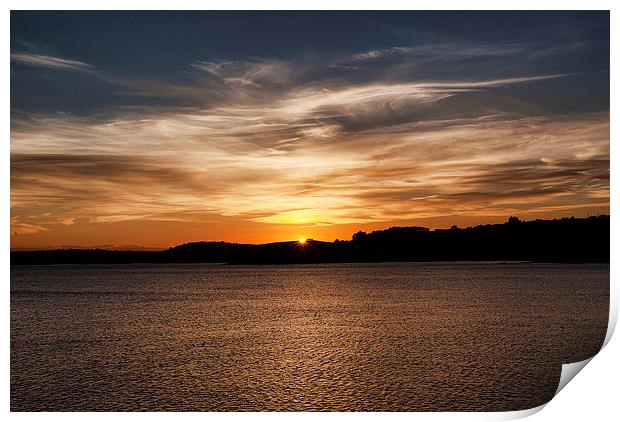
pixel 151 129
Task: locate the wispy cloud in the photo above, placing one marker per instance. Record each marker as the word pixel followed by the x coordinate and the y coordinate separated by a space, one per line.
pixel 18 227
pixel 244 165
pixel 256 73
pixel 441 50
pixel 458 51
pixel 40 60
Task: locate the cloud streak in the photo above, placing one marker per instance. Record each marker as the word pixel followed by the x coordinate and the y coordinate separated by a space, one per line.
pixel 295 143
pixel 40 60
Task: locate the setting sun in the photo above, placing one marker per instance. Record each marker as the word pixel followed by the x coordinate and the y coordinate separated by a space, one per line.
pixel 302 240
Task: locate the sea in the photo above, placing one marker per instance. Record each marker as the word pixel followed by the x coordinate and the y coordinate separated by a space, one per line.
pixel 487 336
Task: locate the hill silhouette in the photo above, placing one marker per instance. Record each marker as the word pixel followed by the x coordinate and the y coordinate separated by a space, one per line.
pixel 559 240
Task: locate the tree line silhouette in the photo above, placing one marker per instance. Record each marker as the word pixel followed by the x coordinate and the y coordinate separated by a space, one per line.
pixel 559 240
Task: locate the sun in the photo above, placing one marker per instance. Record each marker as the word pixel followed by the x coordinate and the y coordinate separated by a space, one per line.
pixel 302 240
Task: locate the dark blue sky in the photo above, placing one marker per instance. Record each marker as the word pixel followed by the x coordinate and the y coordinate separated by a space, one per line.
pixel 165 44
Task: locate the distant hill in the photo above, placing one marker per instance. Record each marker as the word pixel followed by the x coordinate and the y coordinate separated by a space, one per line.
pixel 559 240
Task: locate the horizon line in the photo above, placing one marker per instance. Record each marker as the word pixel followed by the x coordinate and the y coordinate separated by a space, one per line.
pixel 143 248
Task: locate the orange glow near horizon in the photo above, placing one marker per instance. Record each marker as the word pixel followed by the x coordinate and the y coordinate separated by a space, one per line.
pixel 164 234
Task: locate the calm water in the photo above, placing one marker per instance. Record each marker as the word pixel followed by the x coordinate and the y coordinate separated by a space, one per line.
pixel 409 336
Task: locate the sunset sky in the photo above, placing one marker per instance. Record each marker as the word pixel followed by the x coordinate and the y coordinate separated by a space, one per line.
pixel 154 129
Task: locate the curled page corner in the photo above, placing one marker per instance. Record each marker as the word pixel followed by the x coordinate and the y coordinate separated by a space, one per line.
pixel 569 370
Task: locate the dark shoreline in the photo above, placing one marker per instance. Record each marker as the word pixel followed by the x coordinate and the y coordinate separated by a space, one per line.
pixel 569 240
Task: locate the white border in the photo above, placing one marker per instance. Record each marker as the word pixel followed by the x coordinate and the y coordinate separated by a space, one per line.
pixel 309 5
pixel 591 395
